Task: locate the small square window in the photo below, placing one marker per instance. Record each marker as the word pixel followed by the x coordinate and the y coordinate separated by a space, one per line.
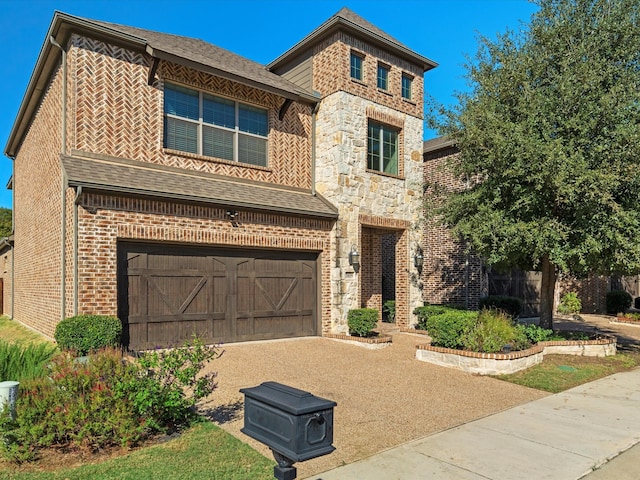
pixel 383 77
pixel 356 66
pixel 406 86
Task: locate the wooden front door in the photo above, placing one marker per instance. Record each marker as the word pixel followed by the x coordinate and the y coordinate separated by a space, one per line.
pixel 167 294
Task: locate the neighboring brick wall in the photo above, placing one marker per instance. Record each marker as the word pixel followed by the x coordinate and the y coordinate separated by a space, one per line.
pixel 118 114
pixel 331 73
pixel 592 292
pixel 37 185
pixel 450 275
pixel 103 220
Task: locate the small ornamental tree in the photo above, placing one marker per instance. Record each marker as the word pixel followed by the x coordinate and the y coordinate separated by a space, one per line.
pixel 549 141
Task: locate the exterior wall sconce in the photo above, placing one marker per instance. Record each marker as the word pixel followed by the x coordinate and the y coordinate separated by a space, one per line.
pixel 232 215
pixel 354 258
pixel 418 260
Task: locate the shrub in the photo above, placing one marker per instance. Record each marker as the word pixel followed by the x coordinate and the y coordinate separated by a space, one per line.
pixel 362 321
pixel 512 306
pixel 107 400
pixel 493 329
pixel 536 334
pixel 447 329
pixel 423 313
pixel 570 304
pixel 24 363
pixel 618 301
pixel 86 333
pixel 389 307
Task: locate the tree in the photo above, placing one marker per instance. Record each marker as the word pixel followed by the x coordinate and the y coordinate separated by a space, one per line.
pixel 6 227
pixel 549 137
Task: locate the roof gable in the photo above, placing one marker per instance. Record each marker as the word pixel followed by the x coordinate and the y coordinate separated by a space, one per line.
pixel 350 21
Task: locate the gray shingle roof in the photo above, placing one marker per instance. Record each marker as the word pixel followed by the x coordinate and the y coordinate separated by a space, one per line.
pixel 210 56
pixel 139 178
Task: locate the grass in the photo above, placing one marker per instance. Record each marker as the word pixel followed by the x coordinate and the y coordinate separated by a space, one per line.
pixel 204 451
pixel 557 373
pixel 14 332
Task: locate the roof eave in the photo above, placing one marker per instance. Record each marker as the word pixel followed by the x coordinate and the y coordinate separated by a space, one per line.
pixel 336 23
pixel 167 56
pixel 98 187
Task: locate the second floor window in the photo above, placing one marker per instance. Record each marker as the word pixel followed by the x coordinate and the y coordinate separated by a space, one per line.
pixel 356 66
pixel 382 148
pixel 383 77
pixel 197 122
pixel 406 87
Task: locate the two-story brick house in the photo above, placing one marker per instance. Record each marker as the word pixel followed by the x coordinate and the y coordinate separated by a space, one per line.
pixel 189 190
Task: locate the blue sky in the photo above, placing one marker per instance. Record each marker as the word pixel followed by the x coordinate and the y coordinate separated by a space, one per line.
pixel 445 31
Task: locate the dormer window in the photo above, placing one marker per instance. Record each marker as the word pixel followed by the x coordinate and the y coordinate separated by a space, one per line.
pixel 204 124
pixel 356 66
pixel 406 86
pixel 383 77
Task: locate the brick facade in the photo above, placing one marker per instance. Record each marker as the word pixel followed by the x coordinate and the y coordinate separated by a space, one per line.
pixel 66 238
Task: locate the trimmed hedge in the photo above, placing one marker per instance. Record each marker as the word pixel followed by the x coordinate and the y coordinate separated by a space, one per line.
pixel 362 321
pixel 618 301
pixel 449 328
pixel 510 305
pixel 423 313
pixel 86 333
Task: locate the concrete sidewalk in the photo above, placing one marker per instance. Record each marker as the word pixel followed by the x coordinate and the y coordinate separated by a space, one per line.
pixel 562 437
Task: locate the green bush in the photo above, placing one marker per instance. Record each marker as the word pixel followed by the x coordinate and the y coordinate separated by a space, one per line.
pixel 86 333
pixel 389 307
pixel 512 306
pixel 107 400
pixel 618 301
pixel 448 328
pixel 423 313
pixel 570 304
pixel 536 334
pixel 362 321
pixel 22 363
pixel 493 329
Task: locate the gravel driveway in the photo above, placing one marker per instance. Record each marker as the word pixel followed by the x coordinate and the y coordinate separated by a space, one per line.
pixel 385 397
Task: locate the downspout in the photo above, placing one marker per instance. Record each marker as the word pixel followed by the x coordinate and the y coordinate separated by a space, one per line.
pixel 63 254
pixel 313 148
pixel 76 201
pixel 13 231
pixel 5 242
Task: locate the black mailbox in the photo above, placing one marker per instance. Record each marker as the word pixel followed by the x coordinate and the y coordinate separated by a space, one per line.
pixel 292 422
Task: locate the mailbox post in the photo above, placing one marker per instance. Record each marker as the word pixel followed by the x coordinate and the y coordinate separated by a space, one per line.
pixel 294 424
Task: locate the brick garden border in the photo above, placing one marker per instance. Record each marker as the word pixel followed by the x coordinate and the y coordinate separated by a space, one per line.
pixel 504 363
pixel 381 341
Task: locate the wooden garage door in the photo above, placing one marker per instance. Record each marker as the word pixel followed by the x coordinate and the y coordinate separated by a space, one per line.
pixel 168 294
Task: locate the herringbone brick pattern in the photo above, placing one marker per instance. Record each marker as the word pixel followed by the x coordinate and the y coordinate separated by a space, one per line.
pixel 118 114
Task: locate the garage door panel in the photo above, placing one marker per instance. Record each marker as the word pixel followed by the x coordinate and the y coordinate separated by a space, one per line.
pixel 170 293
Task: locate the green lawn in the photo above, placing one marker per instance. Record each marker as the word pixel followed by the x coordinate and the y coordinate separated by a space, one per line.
pixel 14 332
pixel 557 373
pixel 205 451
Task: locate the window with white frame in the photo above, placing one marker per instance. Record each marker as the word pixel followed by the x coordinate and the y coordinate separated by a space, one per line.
pixel 406 86
pixel 382 148
pixel 205 124
pixel 356 66
pixel 383 77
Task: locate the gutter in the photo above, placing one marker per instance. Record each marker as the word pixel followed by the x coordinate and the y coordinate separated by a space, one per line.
pixel 63 136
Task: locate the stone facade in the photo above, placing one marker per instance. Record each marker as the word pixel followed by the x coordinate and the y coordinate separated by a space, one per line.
pixel 391 204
